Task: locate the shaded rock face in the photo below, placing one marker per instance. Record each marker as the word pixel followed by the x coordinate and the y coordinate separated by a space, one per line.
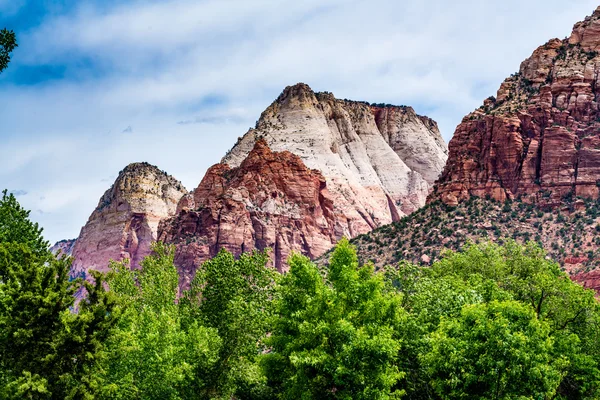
pixel 379 161
pixel 272 200
pixel 125 223
pixel 539 139
pixel 64 247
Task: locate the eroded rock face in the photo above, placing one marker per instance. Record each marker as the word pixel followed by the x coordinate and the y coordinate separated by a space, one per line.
pixel 125 223
pixel 64 247
pixel 271 200
pixel 379 161
pixel 539 139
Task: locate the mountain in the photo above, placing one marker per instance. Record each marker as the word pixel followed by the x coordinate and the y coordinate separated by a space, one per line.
pixel 125 222
pixel 525 165
pixel 538 138
pixel 272 200
pixel 314 169
pixel 64 247
pixel 379 161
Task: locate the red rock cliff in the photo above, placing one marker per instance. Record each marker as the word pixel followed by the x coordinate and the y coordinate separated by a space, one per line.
pixel 540 137
pixel 272 200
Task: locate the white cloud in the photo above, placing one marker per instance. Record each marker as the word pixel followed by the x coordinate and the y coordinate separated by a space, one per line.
pixel 149 65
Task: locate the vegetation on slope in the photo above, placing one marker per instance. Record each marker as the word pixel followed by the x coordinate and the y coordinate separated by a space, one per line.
pixel 570 235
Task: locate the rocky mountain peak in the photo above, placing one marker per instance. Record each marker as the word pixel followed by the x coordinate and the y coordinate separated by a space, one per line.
pixel 538 139
pixel 296 95
pixel 587 33
pixel 314 169
pixel 272 200
pixel 379 161
pixel 125 222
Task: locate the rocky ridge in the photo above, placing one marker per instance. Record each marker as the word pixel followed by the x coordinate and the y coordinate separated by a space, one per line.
pixel 125 222
pixel 272 200
pixel 525 165
pixel 379 161
pixel 314 169
pixel 538 139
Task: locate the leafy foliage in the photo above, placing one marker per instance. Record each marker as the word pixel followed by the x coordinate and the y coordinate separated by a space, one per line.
pixel 233 296
pixel 202 346
pixel 46 350
pixel 486 322
pixel 335 337
pixel 496 350
pixel 15 226
pixel 8 42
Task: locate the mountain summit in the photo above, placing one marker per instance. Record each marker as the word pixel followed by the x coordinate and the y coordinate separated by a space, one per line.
pixel 380 161
pixel 125 222
pixel 314 169
pixel 538 139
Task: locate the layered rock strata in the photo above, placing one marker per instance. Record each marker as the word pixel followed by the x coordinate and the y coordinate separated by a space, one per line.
pixel 539 138
pixel 125 222
pixel 271 200
pixel 379 161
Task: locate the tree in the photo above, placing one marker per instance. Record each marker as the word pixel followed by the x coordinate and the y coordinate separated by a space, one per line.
pixel 46 350
pixel 154 354
pixel 571 312
pixel 497 350
pixel 234 297
pixel 8 42
pixel 200 345
pixel 15 226
pixel 335 338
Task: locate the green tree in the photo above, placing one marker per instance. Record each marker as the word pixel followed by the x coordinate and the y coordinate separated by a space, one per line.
pixel 335 337
pixel 571 312
pixel 154 354
pixel 428 300
pixel 497 350
pixel 201 345
pixel 233 296
pixel 15 226
pixel 8 42
pixel 46 350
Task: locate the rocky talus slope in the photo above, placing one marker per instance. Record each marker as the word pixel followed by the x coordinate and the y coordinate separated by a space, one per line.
pixel 570 235
pixel 125 222
pixel 538 139
pixel 272 200
pixel 379 161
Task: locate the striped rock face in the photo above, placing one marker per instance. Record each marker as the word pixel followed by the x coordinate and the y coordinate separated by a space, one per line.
pixel 125 223
pixel 379 161
pixel 539 138
pixel 272 200
pixel 314 169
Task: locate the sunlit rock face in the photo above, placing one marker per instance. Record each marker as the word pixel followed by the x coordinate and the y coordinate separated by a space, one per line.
pixel 314 169
pixel 272 200
pixel 125 222
pixel 539 139
pixel 379 161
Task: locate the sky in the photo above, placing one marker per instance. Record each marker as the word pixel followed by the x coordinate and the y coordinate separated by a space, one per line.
pixel 97 84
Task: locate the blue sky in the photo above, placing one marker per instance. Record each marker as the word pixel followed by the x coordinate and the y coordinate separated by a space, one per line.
pixel 95 85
